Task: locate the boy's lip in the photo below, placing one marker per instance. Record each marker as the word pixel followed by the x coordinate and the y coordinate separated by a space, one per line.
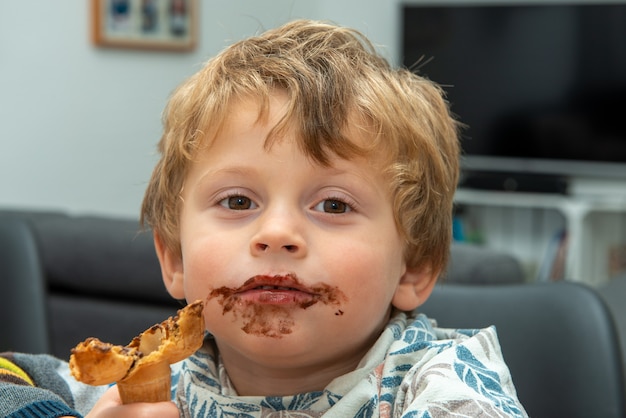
pixel 276 290
pixel 281 291
pixel 263 281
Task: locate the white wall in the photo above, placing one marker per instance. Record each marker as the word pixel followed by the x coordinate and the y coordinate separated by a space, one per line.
pixel 79 124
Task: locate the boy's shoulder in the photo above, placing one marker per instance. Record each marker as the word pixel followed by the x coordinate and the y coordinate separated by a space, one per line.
pixel 450 369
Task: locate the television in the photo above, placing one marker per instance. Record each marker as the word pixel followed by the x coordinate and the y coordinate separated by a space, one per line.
pixel 540 87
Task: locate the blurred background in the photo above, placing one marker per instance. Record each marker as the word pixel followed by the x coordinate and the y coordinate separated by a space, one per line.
pixel 79 123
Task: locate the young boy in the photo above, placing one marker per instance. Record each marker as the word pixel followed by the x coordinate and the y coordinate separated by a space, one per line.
pixel 304 193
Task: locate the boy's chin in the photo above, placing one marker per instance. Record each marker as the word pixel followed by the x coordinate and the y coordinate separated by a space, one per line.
pixel 279 322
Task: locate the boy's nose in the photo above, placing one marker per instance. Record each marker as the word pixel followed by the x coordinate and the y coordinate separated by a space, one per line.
pixel 278 234
pixel 290 248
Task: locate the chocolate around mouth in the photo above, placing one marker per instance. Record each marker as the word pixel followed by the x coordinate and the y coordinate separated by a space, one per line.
pixel 273 320
pixel 287 282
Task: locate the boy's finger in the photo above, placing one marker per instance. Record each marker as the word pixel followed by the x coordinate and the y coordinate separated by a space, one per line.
pixel 110 405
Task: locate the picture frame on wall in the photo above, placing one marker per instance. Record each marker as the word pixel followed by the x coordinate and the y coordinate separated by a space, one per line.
pixel 145 24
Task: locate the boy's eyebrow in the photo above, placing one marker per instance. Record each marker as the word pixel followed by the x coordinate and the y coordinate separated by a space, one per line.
pixel 238 171
pixel 252 171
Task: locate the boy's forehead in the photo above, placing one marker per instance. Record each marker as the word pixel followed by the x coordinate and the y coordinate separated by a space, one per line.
pixel 232 156
pixel 269 111
pixel 240 114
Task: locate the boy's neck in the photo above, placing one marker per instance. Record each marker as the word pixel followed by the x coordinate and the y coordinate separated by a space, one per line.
pixel 254 379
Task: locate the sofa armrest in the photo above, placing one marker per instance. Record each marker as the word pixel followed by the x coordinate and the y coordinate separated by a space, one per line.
pixel 24 308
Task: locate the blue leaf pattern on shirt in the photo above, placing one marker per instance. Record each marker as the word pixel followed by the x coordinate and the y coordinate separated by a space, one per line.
pixel 368 410
pixel 300 402
pixel 482 380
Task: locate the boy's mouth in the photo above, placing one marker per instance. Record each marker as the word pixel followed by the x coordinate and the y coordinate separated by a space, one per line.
pixel 265 303
pixel 276 290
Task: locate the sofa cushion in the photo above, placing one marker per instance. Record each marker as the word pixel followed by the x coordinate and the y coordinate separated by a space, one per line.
pixel 101 256
pixel 614 295
pixel 473 264
pixel 74 318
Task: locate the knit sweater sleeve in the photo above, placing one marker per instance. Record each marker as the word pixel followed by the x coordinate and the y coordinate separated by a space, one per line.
pixel 39 385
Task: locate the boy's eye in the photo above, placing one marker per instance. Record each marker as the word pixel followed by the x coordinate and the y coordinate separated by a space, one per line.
pixel 237 203
pixel 333 206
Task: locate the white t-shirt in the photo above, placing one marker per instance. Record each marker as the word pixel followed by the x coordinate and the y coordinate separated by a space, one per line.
pixel 414 370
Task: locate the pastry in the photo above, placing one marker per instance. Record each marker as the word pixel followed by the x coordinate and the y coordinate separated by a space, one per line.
pixel 142 368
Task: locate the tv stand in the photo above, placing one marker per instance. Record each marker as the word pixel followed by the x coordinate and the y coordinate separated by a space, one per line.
pixel 515 182
pixel 528 225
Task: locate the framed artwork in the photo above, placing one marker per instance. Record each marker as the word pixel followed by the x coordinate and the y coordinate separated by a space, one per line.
pixel 145 24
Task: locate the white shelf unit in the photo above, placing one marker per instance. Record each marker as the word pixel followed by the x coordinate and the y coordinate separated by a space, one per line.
pixel 525 224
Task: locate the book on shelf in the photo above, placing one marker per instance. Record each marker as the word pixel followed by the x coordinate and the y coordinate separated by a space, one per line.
pixel 552 268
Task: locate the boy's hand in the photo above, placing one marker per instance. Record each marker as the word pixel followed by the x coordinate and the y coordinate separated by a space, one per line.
pixel 110 405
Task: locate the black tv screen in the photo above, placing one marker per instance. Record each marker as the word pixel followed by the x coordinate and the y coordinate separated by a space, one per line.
pixel 541 88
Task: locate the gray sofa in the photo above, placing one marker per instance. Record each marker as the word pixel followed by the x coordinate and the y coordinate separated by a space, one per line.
pixel 70 277
pixel 614 294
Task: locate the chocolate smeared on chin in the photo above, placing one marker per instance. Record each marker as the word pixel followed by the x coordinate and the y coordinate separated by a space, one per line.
pixel 266 303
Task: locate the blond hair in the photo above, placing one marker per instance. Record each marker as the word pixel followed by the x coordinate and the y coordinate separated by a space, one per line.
pixel 334 80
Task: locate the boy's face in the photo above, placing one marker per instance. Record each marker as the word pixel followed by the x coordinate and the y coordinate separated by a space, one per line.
pixel 298 264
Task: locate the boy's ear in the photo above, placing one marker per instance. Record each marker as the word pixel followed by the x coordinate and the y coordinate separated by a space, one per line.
pixel 415 286
pixel 171 268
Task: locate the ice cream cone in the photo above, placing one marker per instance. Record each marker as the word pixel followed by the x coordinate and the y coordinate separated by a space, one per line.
pixel 150 383
pixel 142 368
